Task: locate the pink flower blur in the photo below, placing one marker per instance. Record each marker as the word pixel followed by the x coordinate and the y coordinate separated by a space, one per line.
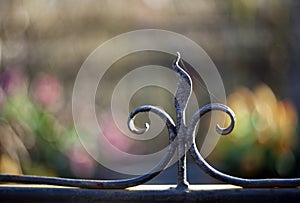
pixel 112 139
pixel 81 163
pixel 47 91
pixel 114 135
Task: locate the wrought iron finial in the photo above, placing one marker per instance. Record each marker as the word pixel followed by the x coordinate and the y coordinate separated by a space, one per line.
pixel 181 137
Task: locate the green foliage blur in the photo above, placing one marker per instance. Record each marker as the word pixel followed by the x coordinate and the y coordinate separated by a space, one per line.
pixel 35 139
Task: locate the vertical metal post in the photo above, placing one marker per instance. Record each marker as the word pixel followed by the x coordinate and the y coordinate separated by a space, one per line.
pixel 182 96
pixel 182 182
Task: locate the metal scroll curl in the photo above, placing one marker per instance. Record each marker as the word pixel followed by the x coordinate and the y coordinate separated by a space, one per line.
pixel 108 184
pixel 247 183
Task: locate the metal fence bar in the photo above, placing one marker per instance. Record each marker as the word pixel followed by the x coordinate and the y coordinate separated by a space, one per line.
pixel 204 193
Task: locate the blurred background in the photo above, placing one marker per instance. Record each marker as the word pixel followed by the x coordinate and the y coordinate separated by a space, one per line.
pixel 254 44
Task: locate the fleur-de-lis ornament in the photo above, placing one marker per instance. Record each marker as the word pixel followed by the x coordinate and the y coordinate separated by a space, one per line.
pixel 183 133
pixel 181 137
